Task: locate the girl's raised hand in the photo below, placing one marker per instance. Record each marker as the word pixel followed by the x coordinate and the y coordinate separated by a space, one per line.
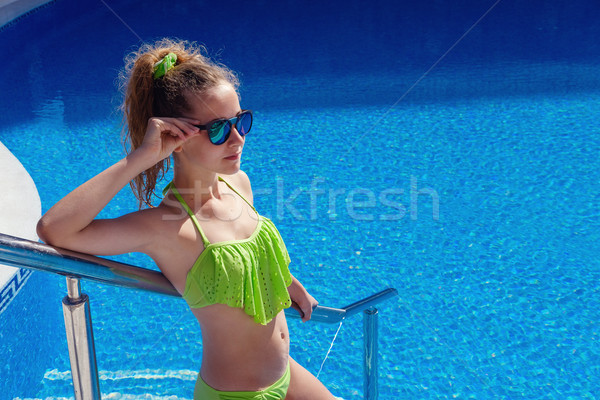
pixel 164 135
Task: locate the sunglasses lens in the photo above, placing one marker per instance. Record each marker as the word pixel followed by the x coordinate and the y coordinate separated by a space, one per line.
pixel 219 132
pixel 244 123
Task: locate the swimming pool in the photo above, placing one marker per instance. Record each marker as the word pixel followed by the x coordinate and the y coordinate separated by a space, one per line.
pixel 476 195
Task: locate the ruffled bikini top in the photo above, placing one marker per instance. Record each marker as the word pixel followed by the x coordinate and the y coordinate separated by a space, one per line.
pixel 251 274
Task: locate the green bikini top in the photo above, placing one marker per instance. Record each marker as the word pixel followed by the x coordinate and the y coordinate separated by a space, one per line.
pixel 251 274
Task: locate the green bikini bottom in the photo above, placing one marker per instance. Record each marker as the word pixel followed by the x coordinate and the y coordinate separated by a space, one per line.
pixel 276 391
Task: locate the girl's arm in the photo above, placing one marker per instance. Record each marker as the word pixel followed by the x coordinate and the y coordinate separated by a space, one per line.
pixel 303 300
pixel 70 223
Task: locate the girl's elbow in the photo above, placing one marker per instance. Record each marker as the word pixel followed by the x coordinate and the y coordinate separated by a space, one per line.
pixel 45 232
pixel 42 230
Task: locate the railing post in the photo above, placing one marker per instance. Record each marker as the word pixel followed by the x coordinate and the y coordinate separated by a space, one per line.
pixel 80 337
pixel 370 335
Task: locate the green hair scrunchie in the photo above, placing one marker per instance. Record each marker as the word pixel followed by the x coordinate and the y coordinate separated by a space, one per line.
pixel 164 65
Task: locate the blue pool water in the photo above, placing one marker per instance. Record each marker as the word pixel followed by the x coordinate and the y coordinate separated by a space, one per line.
pixel 474 192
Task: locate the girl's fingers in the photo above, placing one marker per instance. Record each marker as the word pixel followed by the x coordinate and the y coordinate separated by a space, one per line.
pixel 176 128
pixel 185 127
pixel 171 132
pixel 190 121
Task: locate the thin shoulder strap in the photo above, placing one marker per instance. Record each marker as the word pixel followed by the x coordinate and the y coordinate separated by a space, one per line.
pixel 238 193
pixel 172 187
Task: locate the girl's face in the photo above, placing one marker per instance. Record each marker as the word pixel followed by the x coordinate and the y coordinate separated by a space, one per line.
pixel 218 102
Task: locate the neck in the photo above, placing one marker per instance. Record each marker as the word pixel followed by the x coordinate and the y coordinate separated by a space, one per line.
pixel 198 187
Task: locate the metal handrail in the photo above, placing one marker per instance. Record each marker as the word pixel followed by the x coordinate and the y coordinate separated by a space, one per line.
pixel 23 253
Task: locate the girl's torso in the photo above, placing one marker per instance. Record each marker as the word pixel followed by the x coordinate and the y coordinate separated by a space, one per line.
pixel 238 353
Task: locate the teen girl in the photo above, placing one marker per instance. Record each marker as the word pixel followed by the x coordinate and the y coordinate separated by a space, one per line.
pixel 229 263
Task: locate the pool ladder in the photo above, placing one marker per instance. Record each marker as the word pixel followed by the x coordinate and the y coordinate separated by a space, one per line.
pixel 22 253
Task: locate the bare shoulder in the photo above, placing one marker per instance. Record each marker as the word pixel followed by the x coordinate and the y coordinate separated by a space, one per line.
pixel 146 222
pixel 162 226
pixel 154 225
pixel 152 217
pixel 241 182
pixel 167 216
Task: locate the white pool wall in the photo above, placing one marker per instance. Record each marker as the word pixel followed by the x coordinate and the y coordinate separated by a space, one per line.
pixel 13 9
pixel 20 209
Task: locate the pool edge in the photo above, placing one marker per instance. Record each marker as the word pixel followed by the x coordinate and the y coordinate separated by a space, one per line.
pixel 19 212
pixel 11 10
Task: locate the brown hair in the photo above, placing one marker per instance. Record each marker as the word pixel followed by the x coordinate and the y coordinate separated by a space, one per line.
pixel 146 97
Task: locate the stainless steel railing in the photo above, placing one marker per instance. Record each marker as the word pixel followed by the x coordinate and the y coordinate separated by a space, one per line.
pixel 22 253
